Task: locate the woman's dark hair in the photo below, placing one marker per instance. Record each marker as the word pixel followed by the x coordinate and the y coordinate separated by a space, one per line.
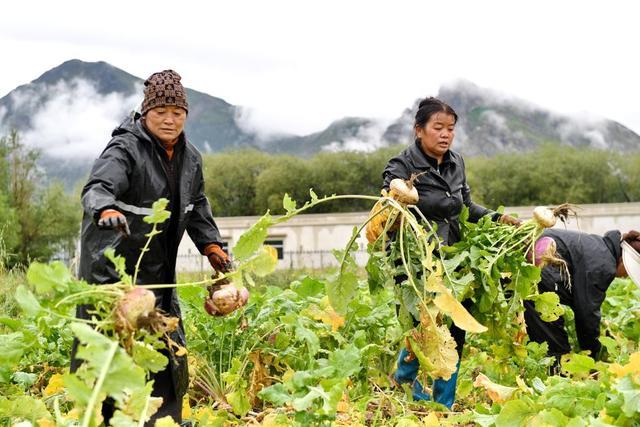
pixel 632 238
pixel 428 107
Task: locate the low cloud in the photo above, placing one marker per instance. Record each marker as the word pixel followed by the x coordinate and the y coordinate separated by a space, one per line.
pixel 589 127
pixel 367 139
pixel 252 121
pixel 74 120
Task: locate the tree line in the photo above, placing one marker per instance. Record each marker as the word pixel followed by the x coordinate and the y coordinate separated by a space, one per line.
pixel 248 182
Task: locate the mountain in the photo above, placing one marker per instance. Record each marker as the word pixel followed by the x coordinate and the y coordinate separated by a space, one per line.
pixel 349 133
pixel 211 125
pixel 69 111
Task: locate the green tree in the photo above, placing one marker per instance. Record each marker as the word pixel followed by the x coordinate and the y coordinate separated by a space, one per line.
pixel 286 175
pixel 36 221
pixel 230 181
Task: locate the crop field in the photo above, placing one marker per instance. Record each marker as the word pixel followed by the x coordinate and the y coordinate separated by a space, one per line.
pixel 320 347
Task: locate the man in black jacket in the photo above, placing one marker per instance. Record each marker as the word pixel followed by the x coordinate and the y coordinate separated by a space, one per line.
pixel 149 158
pixel 592 262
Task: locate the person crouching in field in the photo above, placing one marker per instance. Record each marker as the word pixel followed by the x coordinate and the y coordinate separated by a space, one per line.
pixel 589 264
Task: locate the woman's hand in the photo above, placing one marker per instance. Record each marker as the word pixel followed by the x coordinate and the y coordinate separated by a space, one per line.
pixel 509 220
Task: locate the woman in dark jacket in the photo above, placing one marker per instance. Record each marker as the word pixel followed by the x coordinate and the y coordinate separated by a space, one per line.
pixel 443 192
pixel 148 158
pixel 592 262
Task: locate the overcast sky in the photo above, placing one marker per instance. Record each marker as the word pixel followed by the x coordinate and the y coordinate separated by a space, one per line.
pixel 299 65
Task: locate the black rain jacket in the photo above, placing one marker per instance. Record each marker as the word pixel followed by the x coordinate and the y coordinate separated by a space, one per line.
pixel 592 261
pixel 442 194
pixel 129 176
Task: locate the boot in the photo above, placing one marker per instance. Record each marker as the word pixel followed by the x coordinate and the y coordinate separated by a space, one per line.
pixel 406 373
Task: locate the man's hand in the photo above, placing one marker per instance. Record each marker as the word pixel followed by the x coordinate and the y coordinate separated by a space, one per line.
pixel 218 258
pixel 509 220
pixel 114 220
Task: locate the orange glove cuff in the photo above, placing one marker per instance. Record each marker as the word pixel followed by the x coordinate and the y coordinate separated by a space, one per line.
pixel 218 258
pixel 109 213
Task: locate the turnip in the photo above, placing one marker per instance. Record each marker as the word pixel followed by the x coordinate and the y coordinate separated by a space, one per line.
pixel 543 248
pixel 544 217
pixel 225 299
pixel 134 305
pixel 404 191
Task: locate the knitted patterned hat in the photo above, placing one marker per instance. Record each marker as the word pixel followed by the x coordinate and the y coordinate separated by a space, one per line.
pixel 164 88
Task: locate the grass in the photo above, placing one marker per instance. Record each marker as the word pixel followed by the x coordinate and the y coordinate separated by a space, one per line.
pixel 9 281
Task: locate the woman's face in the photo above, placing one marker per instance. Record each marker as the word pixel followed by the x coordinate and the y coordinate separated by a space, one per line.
pixel 437 135
pixel 166 122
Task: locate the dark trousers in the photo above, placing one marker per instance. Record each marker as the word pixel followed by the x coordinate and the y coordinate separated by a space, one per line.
pixel 553 333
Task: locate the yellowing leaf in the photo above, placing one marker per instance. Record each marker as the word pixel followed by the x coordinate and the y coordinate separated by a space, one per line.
pixel 181 351
pixel 186 407
pixel 342 406
pixel 73 415
pixel 286 377
pixel 166 422
pixel 633 367
pixel 434 347
pixel 523 386
pixel 449 305
pixel 275 420
pixel 407 422
pixel 45 422
pixel 434 281
pixel 204 413
pixel 497 393
pixel 328 316
pixel 431 420
pixel 55 386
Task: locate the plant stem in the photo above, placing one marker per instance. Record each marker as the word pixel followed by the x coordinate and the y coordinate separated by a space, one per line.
pixel 145 249
pixel 311 204
pixel 406 267
pixel 73 319
pixel 96 291
pixel 88 416
pixel 143 414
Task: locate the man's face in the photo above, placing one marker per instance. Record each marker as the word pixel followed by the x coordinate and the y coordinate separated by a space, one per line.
pixel 166 123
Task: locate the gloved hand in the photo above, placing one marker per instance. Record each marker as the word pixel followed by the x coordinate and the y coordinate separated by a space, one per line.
pixel 377 224
pixel 112 219
pixel 509 220
pixel 218 258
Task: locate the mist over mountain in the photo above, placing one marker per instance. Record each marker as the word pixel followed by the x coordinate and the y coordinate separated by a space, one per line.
pixel 69 112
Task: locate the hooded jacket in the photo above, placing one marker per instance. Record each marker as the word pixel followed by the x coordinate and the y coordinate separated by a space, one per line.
pixel 129 176
pixel 442 191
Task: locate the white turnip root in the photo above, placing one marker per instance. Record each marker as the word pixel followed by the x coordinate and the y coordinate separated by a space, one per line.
pixel 544 217
pixel 403 191
pixel 134 305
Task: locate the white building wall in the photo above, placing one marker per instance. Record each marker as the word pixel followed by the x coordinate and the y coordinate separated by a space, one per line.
pixel 309 239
